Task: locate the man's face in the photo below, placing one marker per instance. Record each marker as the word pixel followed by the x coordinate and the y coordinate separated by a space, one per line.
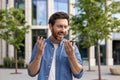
pixel 59 29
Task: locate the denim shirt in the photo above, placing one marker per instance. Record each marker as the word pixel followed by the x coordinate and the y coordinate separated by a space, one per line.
pixel 63 69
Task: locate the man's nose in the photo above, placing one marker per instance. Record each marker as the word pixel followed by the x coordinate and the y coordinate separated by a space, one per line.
pixel 64 29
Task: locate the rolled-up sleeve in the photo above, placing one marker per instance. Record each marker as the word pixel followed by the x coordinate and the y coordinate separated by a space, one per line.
pixel 78 56
pixel 79 75
pixel 32 58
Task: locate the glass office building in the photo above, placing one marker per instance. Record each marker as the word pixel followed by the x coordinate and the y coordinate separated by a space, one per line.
pixel 37 13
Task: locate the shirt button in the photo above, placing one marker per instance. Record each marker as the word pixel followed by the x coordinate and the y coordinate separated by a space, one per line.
pixel 51 57
pixel 48 66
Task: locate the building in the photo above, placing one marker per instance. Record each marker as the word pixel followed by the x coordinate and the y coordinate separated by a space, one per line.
pixel 37 13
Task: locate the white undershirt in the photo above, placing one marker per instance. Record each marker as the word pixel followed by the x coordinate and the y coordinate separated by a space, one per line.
pixel 52 70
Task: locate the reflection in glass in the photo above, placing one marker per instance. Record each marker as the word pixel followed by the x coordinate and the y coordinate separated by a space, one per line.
pixel 19 4
pixel 39 12
pixel 61 5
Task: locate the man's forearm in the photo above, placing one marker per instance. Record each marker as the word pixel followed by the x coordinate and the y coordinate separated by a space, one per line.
pixel 34 66
pixel 75 66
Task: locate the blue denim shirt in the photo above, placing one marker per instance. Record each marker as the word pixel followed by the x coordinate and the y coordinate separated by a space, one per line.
pixel 63 69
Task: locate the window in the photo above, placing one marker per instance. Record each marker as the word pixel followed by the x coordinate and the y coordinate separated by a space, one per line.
pixel 61 5
pixel 19 4
pixel 38 32
pixel 39 12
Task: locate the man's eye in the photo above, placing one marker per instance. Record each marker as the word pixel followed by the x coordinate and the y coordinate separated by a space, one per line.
pixel 59 26
pixel 65 26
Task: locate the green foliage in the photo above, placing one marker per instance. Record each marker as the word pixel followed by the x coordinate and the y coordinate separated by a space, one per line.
pixel 13 26
pixel 116 7
pixel 21 62
pixel 10 62
pixel 93 22
pixel 6 62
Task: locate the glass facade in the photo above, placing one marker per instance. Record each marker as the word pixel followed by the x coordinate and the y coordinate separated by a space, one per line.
pixel 19 4
pixel 116 51
pixel 38 32
pixel 39 12
pixel 61 5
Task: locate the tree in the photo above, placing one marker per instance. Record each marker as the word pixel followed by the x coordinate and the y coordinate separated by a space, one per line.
pixel 13 28
pixel 94 23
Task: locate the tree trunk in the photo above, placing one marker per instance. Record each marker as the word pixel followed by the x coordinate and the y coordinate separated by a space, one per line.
pixel 98 60
pixel 16 62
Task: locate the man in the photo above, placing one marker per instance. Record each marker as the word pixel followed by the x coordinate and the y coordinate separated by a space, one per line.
pixel 56 58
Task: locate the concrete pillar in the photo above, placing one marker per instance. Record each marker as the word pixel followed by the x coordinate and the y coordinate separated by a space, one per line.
pixel 3 47
pixel 2 42
pixel 1 59
pixel 71 11
pixel 28 38
pixel 71 7
pixel 11 51
pixel 92 56
pixel 2 4
pixel 2 51
pixel 109 59
pixel 50 12
pixel 10 3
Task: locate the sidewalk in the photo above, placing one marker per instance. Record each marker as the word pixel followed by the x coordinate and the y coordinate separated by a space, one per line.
pixel 105 73
pixel 5 74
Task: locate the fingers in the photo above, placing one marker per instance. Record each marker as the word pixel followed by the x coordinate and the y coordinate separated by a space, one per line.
pixel 73 43
pixel 69 47
pixel 41 42
pixel 69 43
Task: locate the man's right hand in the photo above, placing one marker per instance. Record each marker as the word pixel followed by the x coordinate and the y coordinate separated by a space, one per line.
pixel 34 66
pixel 40 46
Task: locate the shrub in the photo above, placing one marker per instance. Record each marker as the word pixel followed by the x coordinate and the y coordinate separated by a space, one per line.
pixel 6 62
pixel 10 62
pixel 21 63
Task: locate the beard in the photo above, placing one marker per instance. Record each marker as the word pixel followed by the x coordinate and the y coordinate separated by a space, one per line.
pixel 58 35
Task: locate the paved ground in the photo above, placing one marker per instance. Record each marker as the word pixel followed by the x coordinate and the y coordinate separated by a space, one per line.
pixel 5 74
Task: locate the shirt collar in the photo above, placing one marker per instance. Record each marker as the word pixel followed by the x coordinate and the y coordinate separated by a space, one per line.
pixel 49 41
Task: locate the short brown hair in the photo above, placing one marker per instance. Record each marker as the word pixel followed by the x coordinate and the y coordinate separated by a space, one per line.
pixel 58 15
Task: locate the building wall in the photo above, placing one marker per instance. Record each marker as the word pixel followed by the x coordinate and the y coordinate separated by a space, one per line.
pixel 29 38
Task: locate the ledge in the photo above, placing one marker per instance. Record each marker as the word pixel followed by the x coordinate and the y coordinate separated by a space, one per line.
pixel 115 71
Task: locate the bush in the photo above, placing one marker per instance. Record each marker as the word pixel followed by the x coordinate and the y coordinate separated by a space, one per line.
pixel 10 62
pixel 7 62
pixel 21 63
